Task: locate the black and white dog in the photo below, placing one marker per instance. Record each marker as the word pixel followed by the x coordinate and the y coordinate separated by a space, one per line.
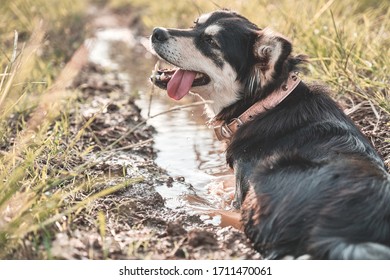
pixel 307 180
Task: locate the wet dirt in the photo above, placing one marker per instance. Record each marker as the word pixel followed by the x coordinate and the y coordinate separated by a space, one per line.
pixel 142 221
pixel 138 224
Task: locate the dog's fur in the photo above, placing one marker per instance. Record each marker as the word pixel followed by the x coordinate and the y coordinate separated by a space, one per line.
pixel 307 180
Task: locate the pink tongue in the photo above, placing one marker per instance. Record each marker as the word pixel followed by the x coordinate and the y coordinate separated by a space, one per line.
pixel 180 83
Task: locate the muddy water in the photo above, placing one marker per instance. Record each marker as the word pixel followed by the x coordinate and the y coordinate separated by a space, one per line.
pixel 186 148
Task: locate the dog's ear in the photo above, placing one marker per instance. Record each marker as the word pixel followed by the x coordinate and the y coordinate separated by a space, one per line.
pixel 271 51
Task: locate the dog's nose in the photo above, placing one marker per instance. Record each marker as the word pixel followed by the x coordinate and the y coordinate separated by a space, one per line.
pixel 160 34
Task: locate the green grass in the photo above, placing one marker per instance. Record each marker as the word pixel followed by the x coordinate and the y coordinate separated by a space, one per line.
pixel 45 180
pixel 30 156
pixel 41 169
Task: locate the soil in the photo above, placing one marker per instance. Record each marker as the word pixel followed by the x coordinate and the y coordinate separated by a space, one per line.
pixel 375 124
pixel 137 224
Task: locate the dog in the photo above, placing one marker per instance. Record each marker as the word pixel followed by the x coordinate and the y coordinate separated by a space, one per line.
pixel 307 179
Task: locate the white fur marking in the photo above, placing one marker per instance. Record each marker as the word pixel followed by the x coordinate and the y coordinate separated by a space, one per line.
pixel 203 18
pixel 223 88
pixel 212 30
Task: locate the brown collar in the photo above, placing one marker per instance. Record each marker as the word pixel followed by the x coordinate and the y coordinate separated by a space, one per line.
pixel 225 131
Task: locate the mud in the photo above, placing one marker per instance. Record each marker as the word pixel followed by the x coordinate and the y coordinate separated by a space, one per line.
pixel 138 225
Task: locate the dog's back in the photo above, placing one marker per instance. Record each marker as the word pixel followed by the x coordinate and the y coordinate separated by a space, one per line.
pixel 318 186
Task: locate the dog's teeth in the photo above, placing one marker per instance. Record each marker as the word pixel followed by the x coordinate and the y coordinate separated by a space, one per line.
pixel 165 77
pixel 155 76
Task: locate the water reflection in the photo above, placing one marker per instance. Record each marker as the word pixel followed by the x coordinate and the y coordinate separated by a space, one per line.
pixel 186 147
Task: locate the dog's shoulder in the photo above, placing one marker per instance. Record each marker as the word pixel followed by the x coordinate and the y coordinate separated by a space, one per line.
pixel 310 121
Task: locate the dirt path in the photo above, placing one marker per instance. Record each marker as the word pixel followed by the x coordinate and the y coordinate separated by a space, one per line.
pixel 138 225
pixel 132 223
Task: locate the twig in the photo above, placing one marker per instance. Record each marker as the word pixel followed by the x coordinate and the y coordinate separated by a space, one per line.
pixel 322 10
pixel 14 53
pixel 3 76
pixel 354 108
pixel 151 93
pixel 135 145
pixel 11 74
pixel 92 163
pixel 176 108
pixel 377 115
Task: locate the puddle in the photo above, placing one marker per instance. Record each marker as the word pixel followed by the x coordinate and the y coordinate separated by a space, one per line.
pixel 101 50
pixel 186 148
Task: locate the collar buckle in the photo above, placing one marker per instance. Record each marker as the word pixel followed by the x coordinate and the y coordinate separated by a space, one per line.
pixel 223 132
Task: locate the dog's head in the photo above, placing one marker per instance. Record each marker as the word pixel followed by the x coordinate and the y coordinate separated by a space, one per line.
pixel 224 58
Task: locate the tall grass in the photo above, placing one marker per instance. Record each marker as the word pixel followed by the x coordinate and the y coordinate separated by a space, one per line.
pixel 39 171
pixel 30 60
pixel 348 41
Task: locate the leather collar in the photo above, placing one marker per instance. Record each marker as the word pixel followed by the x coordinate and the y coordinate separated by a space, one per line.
pixel 225 131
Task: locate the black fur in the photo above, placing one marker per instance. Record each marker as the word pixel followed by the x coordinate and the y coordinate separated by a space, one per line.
pixel 307 180
pixel 318 186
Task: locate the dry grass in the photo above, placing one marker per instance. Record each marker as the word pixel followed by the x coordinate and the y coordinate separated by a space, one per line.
pixel 348 41
pixel 41 171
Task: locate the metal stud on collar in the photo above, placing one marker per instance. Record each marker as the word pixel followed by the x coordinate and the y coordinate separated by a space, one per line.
pixel 239 122
pixel 223 132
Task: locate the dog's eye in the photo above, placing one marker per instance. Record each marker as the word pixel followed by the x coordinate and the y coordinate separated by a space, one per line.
pixel 209 40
